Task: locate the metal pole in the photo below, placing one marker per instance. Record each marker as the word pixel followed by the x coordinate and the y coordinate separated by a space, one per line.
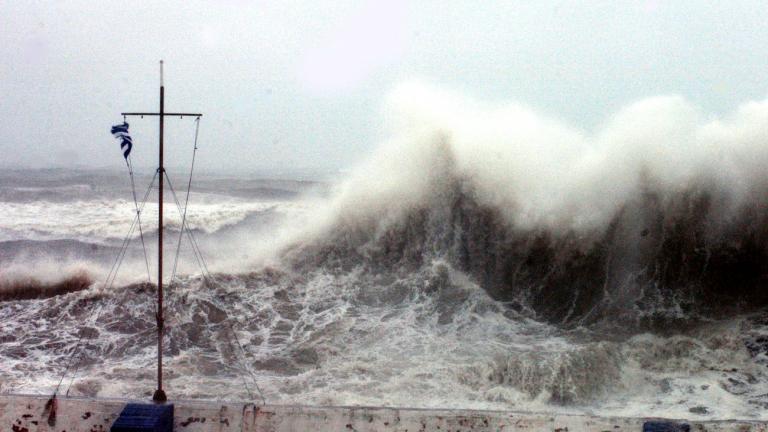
pixel 159 395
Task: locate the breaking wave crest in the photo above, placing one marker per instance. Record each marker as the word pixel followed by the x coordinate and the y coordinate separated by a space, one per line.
pixel 655 219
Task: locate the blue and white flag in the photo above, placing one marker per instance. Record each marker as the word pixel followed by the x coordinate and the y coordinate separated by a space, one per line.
pixel 126 143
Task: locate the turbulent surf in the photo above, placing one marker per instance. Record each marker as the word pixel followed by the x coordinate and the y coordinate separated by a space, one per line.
pixel 484 257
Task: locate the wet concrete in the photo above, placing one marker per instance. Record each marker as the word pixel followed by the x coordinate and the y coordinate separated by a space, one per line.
pixel 25 413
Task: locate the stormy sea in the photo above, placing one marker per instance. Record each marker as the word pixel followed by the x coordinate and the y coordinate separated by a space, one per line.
pixel 485 256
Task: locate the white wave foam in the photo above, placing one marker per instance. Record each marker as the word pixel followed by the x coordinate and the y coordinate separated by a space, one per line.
pixel 101 220
pixel 541 172
pixel 358 339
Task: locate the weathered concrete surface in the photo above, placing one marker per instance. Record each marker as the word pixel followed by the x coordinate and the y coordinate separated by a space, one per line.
pixel 23 413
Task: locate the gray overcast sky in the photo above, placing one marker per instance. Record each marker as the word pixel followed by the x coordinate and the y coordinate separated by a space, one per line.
pixel 300 84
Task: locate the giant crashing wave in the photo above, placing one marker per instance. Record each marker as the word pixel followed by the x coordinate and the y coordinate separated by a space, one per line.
pixel 657 221
pixel 654 223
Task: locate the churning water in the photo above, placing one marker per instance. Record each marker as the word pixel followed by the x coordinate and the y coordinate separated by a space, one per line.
pixel 485 257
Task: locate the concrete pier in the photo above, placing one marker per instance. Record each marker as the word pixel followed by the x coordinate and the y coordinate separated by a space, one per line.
pixel 28 413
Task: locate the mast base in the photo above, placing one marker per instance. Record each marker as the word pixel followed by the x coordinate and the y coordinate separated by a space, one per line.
pixel 159 396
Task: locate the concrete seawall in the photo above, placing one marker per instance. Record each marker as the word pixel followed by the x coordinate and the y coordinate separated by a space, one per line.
pixel 25 413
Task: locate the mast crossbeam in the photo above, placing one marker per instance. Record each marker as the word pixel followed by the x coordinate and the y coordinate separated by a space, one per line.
pixel 164 114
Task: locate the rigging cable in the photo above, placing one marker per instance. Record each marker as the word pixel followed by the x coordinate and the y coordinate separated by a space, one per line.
pixel 186 202
pixel 193 241
pixel 76 350
pixel 244 364
pixel 123 249
pixel 108 283
pixel 129 163
pixel 203 265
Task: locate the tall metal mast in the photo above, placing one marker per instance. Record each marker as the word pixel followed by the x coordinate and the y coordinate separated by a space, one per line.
pixel 159 395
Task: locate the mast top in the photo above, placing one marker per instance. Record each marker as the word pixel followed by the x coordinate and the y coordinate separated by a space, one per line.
pixel 161 73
